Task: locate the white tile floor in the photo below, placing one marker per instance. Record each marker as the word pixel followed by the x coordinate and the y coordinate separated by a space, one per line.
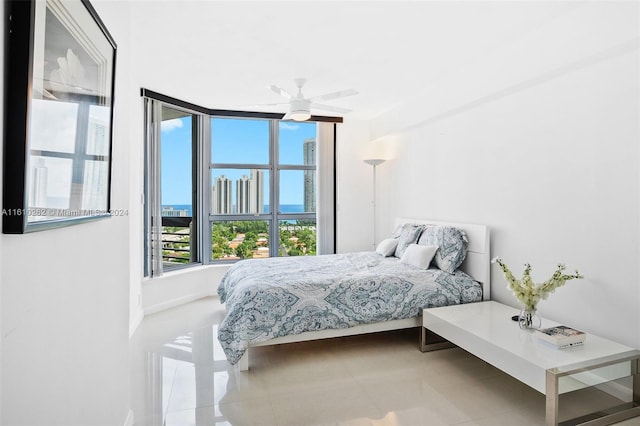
pixel 181 377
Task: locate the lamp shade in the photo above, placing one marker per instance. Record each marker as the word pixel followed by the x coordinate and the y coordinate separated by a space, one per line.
pixel 374 161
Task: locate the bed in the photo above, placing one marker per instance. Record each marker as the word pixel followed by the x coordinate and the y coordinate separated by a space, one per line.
pixel 292 299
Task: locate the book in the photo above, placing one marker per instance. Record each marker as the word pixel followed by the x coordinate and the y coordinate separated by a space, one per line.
pixel 568 345
pixel 561 335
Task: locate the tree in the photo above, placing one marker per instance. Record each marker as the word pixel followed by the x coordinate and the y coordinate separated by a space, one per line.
pixel 251 237
pixel 243 251
pixel 294 251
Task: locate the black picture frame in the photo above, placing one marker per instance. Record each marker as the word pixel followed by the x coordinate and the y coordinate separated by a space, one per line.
pixel 58 115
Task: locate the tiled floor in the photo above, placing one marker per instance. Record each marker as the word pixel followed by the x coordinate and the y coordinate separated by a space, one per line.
pixel 181 377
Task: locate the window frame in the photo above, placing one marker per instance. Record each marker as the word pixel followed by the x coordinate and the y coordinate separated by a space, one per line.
pixel 202 178
pixel 153 265
pixel 242 217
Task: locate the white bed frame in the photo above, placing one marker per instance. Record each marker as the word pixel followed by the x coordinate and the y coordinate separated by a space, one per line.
pixel 477 264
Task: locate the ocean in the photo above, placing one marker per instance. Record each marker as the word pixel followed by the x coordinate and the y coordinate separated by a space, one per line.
pixel 285 208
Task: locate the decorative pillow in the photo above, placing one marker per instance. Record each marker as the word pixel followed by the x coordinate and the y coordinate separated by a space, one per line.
pixel 387 247
pixel 451 242
pixel 398 231
pixel 408 235
pixel 419 256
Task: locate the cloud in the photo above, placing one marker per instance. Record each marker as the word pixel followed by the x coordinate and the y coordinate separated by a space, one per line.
pixel 287 126
pixel 169 125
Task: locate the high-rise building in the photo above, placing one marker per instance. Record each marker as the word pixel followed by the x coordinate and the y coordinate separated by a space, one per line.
pixel 309 157
pixel 250 193
pixel 243 194
pixel 221 196
pixel 256 192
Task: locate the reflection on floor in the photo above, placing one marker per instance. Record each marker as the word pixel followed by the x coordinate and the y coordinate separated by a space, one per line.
pixel 181 377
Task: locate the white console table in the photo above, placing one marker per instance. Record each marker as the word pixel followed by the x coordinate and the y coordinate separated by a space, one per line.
pixel 486 330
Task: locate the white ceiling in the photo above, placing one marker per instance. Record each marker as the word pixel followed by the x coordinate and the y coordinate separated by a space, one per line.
pixel 224 54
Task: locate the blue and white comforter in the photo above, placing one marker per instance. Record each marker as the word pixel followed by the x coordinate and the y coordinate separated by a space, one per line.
pixel 268 298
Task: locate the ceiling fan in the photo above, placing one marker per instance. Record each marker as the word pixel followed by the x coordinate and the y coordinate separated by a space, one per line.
pixel 300 107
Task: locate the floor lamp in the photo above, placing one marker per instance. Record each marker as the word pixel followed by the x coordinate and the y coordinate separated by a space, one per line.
pixel 374 162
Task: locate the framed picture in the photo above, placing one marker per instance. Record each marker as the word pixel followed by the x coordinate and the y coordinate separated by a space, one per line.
pixel 60 69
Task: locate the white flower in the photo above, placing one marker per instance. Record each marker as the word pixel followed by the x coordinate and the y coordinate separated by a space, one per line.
pixel 529 293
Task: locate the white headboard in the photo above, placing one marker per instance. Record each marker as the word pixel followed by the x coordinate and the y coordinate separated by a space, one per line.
pixel 478 261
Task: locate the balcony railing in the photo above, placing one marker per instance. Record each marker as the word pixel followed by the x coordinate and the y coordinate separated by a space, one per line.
pixel 176 239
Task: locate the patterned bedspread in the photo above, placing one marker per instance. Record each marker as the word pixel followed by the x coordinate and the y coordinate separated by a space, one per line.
pixel 268 298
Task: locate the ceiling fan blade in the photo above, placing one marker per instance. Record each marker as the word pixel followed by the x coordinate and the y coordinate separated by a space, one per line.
pixel 280 91
pixel 261 105
pixel 335 95
pixel 330 108
pixel 287 116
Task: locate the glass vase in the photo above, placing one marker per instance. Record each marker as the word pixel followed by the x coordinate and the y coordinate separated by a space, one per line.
pixel 528 319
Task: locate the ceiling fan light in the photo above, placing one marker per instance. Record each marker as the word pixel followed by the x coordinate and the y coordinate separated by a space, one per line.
pixel 300 110
pixel 299 115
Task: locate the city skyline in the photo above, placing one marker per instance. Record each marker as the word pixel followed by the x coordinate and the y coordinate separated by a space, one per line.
pixel 237 141
pixel 249 195
pixel 249 190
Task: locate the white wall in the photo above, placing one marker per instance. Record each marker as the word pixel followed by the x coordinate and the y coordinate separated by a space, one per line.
pixel 178 287
pixel 353 187
pixel 64 297
pixel 136 193
pixel 540 142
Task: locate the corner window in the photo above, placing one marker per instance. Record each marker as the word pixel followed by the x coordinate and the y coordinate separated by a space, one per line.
pixel 221 188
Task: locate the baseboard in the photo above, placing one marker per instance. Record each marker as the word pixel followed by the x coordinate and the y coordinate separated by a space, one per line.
pixel 129 420
pixel 158 307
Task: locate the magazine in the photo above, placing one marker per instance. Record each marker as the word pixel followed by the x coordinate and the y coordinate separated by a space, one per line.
pixel 561 335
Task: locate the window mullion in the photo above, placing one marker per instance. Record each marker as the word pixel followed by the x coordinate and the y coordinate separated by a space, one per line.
pixel 204 190
pixel 274 192
pixel 155 190
pixel 239 166
pixel 295 167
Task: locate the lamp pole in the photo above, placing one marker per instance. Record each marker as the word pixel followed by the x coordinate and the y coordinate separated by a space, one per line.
pixel 374 162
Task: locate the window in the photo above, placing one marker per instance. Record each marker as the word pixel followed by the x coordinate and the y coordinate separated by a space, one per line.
pixel 173 237
pixel 177 180
pixel 263 194
pixel 224 186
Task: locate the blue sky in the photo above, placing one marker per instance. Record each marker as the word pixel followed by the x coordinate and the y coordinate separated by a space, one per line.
pixel 235 141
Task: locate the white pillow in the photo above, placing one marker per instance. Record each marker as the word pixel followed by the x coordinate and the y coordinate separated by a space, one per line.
pixel 387 247
pixel 419 256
